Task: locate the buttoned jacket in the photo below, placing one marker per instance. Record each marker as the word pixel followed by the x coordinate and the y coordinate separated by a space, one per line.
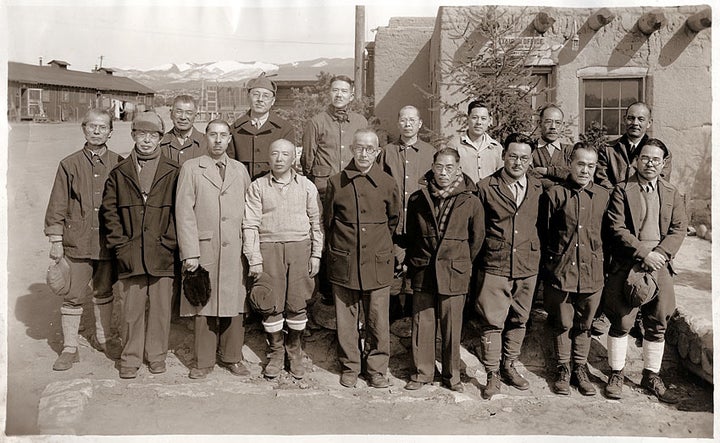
pixel 360 215
pixel 616 163
pixel 251 146
pixel 512 245
pixel 194 146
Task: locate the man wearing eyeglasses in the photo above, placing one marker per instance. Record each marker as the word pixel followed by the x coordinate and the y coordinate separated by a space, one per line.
pixel 361 212
pixel 183 141
pixel 254 132
pixel 406 160
pixel 647 224
pixel 616 161
pixel 509 261
pixel 72 226
pixel 551 159
pixel 138 213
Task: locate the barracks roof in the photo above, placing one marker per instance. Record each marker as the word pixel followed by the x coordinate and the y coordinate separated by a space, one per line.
pixel 48 75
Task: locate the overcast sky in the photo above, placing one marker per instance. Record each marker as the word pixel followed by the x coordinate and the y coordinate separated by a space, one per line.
pixel 128 34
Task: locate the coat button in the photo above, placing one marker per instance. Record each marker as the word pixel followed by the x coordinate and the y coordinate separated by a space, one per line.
pixel 225 244
pixel 223 218
pixel 363 229
pixel 146 229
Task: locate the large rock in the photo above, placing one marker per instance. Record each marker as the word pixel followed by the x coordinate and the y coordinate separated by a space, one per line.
pixel 62 404
pixel 693 339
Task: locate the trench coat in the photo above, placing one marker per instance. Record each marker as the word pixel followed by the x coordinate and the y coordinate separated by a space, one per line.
pixel 209 215
pixel 361 213
pixel 443 265
pixel 142 233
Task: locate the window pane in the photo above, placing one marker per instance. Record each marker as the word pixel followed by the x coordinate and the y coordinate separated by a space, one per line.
pixel 593 92
pixel 611 120
pixel 611 94
pixel 630 90
pixel 591 116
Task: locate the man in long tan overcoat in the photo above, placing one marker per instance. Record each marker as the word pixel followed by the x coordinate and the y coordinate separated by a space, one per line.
pixel 209 213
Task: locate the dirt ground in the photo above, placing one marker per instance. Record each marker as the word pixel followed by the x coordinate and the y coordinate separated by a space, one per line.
pixel 171 403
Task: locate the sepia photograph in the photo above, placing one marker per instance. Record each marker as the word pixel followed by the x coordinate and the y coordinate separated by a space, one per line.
pixel 321 221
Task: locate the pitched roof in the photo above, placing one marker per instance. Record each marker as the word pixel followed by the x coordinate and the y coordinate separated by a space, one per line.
pixel 47 75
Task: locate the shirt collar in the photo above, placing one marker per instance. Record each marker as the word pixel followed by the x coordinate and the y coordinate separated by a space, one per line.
pixel 403 146
pixel 542 143
pixel 522 181
pixel 223 159
pixel 100 152
pixel 352 172
pixel 644 183
pixel 575 187
pixel 293 177
pixel 259 121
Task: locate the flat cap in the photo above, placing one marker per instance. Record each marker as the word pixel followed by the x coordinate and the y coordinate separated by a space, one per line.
pixel 148 121
pixel 262 82
pixel 262 297
pixel 58 277
pixel 640 287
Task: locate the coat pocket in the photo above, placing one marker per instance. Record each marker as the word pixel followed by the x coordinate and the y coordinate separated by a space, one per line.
pixel 124 256
pixel 75 233
pixel 460 271
pixel 207 252
pixel 384 267
pixel 339 265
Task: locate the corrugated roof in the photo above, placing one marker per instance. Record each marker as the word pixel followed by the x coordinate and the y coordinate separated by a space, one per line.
pixel 32 74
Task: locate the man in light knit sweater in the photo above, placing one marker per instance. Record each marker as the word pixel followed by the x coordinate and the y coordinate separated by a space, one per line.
pixel 284 238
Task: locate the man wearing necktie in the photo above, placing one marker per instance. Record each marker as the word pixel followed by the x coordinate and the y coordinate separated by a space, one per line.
pixel 254 131
pixel 210 207
pixel 551 159
pixel 646 223
pixel 72 226
pixel 616 160
pixel 508 262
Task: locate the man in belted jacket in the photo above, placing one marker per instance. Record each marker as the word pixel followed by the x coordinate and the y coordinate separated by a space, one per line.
pixel 138 212
pixel 446 223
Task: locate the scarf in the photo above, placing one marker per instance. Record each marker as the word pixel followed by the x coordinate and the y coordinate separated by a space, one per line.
pixel 444 200
pixel 148 166
pixel 341 115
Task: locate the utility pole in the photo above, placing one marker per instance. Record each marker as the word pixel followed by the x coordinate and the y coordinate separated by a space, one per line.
pixel 359 50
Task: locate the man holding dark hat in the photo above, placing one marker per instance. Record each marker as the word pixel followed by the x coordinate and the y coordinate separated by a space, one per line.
pixel 253 132
pixel 138 214
pixel 210 204
pixel 73 227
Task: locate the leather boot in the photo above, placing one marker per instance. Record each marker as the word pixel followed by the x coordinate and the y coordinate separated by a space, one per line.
pixel 275 355
pixel 511 376
pixel 293 346
pixel 70 354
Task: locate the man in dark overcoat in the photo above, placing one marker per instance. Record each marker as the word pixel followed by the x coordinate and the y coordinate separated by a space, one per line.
pixel 361 213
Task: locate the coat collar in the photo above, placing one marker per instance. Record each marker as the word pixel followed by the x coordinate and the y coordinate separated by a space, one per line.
pixel 373 175
pixel 212 173
pixel 243 122
pixel 127 168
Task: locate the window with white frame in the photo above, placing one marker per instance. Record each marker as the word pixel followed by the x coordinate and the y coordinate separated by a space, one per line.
pixel 604 100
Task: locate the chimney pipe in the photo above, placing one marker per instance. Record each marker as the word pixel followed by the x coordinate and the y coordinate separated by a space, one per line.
pixel 40 61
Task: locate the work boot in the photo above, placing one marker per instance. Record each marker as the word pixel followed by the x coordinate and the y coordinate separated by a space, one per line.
pixel 70 325
pixel 614 386
pixel 512 377
pixel 293 347
pixel 561 385
pixel 581 379
pixel 653 383
pixel 492 387
pixel 275 355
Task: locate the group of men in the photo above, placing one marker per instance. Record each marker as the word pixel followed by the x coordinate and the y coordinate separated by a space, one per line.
pixel 430 228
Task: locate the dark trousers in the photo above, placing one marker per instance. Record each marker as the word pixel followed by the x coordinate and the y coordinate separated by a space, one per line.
pixel 655 314
pixel 428 310
pixel 571 315
pixel 376 349
pixel 504 306
pixel 221 336
pixel 83 271
pixel 287 264
pixel 141 338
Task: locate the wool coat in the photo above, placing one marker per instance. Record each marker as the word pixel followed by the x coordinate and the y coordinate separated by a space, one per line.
pixel 623 223
pixel 142 233
pixel 209 216
pixel 361 213
pixel 251 145
pixel 442 264
pixel 512 244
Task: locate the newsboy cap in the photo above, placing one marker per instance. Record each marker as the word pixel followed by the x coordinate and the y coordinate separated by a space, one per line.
pixel 58 277
pixel 196 286
pixel 262 298
pixel 148 121
pixel 262 82
pixel 640 287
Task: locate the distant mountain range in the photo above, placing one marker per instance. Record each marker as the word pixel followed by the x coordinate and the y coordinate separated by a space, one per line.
pixel 185 76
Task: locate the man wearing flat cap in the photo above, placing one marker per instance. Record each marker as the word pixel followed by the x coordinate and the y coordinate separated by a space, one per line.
pixel 73 227
pixel 253 132
pixel 138 215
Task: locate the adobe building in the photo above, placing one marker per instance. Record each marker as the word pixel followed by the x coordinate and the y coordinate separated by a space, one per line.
pixel 596 61
pixel 57 93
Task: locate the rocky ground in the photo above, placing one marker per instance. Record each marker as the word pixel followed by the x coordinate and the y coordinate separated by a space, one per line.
pixel 90 399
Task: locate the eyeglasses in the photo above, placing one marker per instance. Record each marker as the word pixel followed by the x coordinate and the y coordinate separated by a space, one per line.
pixel 514 159
pixel 440 168
pixel 655 161
pixel 99 128
pixel 143 134
pixel 365 149
pixel 261 96
pixel 405 121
